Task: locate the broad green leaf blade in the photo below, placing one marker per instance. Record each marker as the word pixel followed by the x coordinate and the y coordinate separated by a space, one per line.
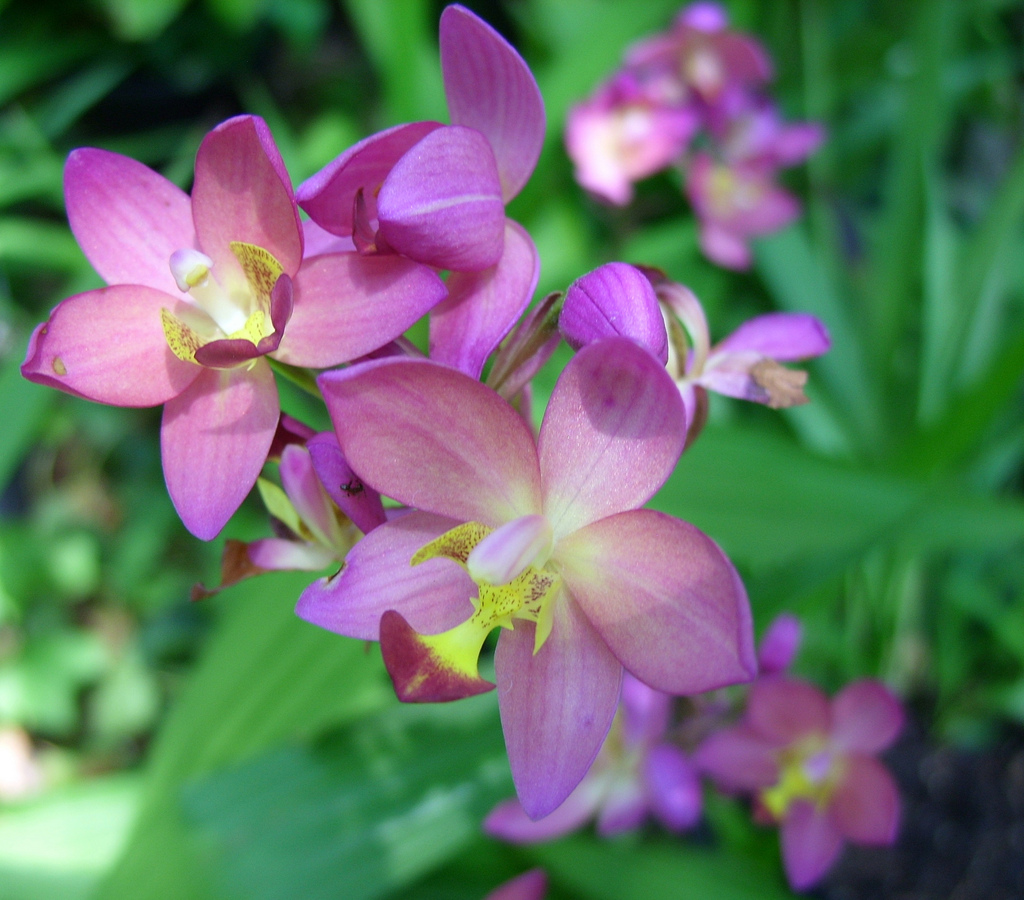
pixel 264 679
pixel 60 845
pixel 372 809
pixel 604 870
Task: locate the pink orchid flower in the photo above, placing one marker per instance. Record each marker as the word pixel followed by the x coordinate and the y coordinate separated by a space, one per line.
pixel 540 536
pixel 623 134
pixel 637 771
pixel 779 644
pixel 436 193
pixel 200 290
pixel 811 766
pixel 532 885
pixel 617 298
pixel 703 54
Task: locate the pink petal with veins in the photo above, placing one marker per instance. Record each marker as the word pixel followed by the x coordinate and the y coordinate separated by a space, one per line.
pixel 108 345
pixel 214 440
pixel 556 705
pixel 127 219
pixel 434 439
pixel 441 204
pixel 491 89
pixel 482 307
pixel 783 337
pixel 664 598
pixel 612 433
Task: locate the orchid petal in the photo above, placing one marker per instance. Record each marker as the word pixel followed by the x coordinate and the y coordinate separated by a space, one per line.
pixel 664 598
pixel 127 219
pixel 441 203
pixel 779 644
pixel 780 336
pixel 378 576
pixel 300 483
pixel 645 711
pixel 724 247
pixel 317 241
pixel 109 346
pixel 612 433
pixel 783 710
pixel 214 441
pixel 614 299
pixel 810 844
pixel 280 553
pixel 329 195
pixel 866 717
pixel 360 502
pixel 673 789
pixel 491 89
pixel 242 193
pixel 483 306
pixel 347 305
pixel 434 439
pixel 509 821
pixel 556 705
pixel 530 885
pixel 737 759
pixel 866 803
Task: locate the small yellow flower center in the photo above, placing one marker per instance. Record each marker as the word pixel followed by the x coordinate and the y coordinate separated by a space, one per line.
pixel 808 771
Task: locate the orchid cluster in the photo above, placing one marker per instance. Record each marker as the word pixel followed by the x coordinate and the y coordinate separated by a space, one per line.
pixel 809 764
pixel 439 511
pixel 695 98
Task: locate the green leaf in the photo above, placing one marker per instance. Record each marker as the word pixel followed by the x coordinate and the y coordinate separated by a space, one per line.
pixel 23 409
pixel 377 806
pixel 60 845
pixel 265 678
pixel 617 870
pixel 140 20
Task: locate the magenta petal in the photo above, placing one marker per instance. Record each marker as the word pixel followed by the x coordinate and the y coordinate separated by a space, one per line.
pixel 810 844
pixel 214 440
pixel 612 433
pixel 779 644
pixel 441 203
pixel 127 219
pixel 532 885
pixel 378 575
pixel 434 439
pixel 779 336
pixel 664 598
pixel 737 759
pixel 280 553
pixel 783 710
pixel 645 711
pixel 724 247
pixel 614 299
pixel 301 484
pixel 242 192
pixel 556 705
pixel 491 89
pixel 483 306
pixel 866 804
pixel 347 305
pixel 329 195
pixel 673 789
pixel 109 346
pixel 509 821
pixel 866 717
pixel 360 502
pixel 624 807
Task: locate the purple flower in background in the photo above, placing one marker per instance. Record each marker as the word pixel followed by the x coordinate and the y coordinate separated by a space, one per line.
pixel 623 134
pixel 201 289
pixel 436 194
pixel 532 885
pixel 542 537
pixel 810 764
pixel 637 772
pixel 779 644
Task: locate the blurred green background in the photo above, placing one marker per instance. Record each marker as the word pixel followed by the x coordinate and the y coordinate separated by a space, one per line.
pixel 228 750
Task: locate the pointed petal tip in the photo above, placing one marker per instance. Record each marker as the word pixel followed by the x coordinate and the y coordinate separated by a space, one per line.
pixel 418 672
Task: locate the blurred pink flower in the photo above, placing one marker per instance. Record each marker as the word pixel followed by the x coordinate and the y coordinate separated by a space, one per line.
pixel 810 764
pixel 532 885
pixel 637 772
pixel 541 536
